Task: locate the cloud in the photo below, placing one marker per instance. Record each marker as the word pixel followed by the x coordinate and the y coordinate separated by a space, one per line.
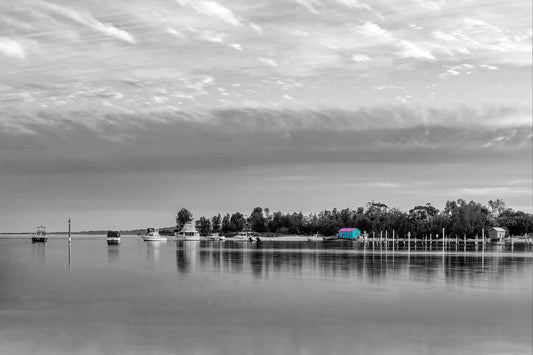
pixel 356 4
pixel 390 185
pixel 212 37
pixel 494 191
pixel 212 9
pixel 86 19
pixel 310 5
pixel 412 50
pixel 431 5
pixel 359 58
pixel 268 61
pixel 12 48
pixel 174 32
pixel 465 68
pixel 256 28
pixel 371 29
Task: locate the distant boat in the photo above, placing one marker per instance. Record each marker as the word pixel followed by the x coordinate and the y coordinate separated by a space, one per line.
pixel 40 236
pixel 152 235
pixel 330 238
pixel 216 236
pixel 315 238
pixel 244 235
pixel 113 237
pixel 188 232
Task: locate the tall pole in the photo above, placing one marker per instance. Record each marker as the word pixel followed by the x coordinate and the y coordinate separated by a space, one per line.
pixel 69 245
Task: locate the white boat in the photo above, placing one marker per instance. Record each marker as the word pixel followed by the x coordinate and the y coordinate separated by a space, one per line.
pixel 244 235
pixel 152 235
pixel 314 238
pixel 188 232
pixel 216 236
pixel 40 236
pixel 113 237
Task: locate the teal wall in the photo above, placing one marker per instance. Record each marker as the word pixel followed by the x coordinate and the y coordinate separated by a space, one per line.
pixel 352 234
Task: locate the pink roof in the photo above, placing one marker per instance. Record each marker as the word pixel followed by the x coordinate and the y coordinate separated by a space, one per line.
pixel 347 229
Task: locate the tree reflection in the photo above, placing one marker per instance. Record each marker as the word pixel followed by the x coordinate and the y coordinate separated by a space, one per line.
pixel 354 260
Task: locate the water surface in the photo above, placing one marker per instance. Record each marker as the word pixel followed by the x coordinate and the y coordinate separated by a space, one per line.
pixel 275 298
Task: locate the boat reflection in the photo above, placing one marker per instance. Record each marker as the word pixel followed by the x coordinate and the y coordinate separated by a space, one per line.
pixel 153 249
pixel 113 253
pixel 38 251
pixel 186 252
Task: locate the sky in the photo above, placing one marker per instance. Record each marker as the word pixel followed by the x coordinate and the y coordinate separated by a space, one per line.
pixel 119 113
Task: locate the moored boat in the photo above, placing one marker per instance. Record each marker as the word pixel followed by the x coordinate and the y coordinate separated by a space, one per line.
pixel 113 237
pixel 188 232
pixel 152 235
pixel 314 238
pixel 40 236
pixel 216 236
pixel 244 235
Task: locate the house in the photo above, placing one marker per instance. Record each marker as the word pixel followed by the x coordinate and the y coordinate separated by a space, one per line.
pixel 349 233
pixel 496 233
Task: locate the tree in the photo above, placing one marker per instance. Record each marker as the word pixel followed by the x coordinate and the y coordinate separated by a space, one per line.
pixel 237 222
pixel 468 218
pixel 516 222
pixel 257 220
pixel 183 217
pixel 497 207
pixel 226 224
pixel 216 222
pixel 204 226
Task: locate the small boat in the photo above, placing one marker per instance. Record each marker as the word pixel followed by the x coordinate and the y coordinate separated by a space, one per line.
pixel 314 238
pixel 244 235
pixel 326 239
pixel 188 232
pixel 152 235
pixel 216 236
pixel 113 237
pixel 40 236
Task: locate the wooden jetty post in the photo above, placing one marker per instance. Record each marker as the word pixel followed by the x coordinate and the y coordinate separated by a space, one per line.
pixel 69 237
pixel 408 240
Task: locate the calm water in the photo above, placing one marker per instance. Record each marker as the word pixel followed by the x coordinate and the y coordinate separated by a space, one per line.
pixel 278 298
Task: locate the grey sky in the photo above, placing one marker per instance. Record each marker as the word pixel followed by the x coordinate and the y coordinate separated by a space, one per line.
pixel 120 113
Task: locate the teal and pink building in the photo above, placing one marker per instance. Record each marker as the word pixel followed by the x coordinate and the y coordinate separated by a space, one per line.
pixel 349 233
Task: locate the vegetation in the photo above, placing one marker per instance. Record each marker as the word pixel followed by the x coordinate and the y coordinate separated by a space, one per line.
pixel 457 218
pixel 183 217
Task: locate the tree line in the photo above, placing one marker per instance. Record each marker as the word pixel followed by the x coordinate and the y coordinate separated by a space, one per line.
pixel 458 218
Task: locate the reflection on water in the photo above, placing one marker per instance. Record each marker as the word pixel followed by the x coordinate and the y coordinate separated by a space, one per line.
pixel 210 297
pixel 186 252
pixel 113 253
pixel 153 249
pixel 333 259
pixel 38 251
